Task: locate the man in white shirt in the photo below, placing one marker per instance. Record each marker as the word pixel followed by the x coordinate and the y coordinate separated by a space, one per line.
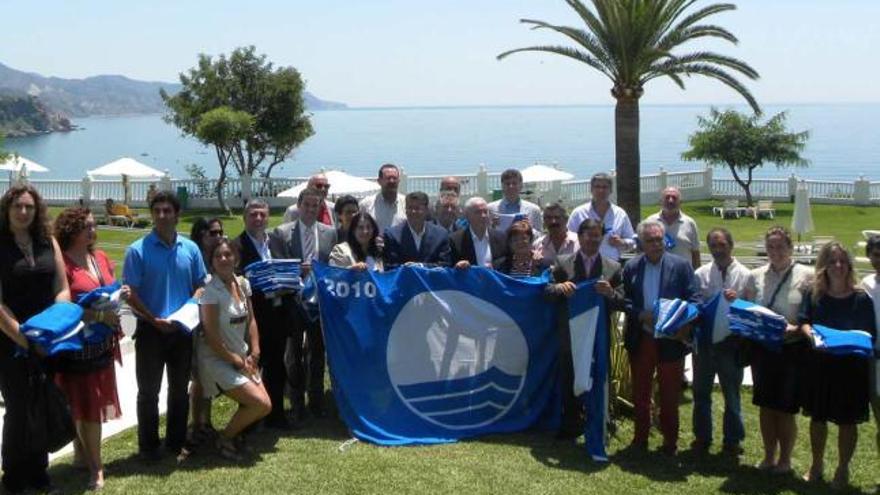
pixel 558 241
pixel 717 352
pixel 478 244
pixel 511 203
pixel 619 234
pixel 871 284
pixel 387 207
pixel 682 236
pixel 326 213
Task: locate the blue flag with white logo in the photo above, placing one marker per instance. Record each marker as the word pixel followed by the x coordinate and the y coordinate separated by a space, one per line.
pixel 432 355
pixel 843 342
pixel 757 323
pixel 590 352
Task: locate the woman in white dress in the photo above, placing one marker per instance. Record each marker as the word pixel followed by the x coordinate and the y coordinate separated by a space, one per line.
pixel 229 347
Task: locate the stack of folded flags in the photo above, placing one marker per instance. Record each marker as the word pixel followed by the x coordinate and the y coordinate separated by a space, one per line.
pixel 105 298
pixel 672 314
pixel 843 342
pixel 273 276
pixel 505 220
pixel 56 329
pixel 755 322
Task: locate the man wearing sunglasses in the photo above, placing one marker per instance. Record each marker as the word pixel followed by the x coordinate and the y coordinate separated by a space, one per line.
pixel 326 213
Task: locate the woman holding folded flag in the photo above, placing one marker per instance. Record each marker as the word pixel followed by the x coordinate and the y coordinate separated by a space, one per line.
pixel 31 279
pixel 778 286
pixel 88 378
pixel 835 387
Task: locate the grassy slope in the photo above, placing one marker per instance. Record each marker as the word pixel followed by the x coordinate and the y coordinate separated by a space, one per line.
pixel 310 460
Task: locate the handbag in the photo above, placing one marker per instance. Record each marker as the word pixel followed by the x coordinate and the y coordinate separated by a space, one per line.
pixel 49 422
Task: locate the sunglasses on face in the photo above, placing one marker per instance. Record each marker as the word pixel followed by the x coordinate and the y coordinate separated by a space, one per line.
pixel 215 232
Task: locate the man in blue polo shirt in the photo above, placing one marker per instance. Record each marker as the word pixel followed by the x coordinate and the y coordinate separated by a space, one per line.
pixel 163 270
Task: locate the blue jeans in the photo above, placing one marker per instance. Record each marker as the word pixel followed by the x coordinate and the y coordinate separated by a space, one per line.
pixel 720 359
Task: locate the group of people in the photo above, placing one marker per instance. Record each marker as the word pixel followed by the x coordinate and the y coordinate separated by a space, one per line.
pixel 260 348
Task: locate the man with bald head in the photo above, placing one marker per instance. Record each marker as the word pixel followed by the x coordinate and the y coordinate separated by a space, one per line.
pixel 450 183
pixel 326 213
pixel 682 237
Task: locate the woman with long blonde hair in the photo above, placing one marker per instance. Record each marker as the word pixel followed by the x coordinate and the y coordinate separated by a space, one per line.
pixel 835 388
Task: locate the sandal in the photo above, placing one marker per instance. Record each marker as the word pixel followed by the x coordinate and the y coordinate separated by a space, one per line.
pixel 226 449
pixel 814 476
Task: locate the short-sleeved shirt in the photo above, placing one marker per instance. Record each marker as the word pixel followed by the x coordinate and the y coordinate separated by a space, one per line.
pixel 529 209
pixel 233 316
pixel 683 233
pixel 615 222
pixel 163 276
pixel 871 284
pixel 544 247
pixel 764 282
pixel 736 277
pixel 386 214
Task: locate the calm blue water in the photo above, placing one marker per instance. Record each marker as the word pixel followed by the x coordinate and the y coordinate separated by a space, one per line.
pixel 845 141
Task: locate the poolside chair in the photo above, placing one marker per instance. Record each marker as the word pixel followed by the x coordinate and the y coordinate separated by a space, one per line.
pixel 819 241
pixel 764 208
pixel 731 208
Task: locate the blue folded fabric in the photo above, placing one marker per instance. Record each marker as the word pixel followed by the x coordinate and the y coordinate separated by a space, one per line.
pixel 703 333
pixel 669 242
pixel 271 276
pixel 843 342
pixel 757 323
pixel 56 329
pixel 672 314
pixel 104 298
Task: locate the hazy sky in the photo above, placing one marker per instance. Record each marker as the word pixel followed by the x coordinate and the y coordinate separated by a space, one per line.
pixel 419 52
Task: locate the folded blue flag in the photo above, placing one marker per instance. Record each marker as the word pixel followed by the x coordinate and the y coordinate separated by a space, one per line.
pixel 755 322
pixel 669 242
pixel 704 332
pixel 843 342
pixel 672 314
pixel 104 298
pixel 272 276
pixel 56 329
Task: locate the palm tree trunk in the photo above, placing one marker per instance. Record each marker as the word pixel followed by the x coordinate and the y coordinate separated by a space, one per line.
pixel 626 134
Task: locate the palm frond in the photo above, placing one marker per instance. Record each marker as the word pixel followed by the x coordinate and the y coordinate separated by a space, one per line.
pixel 579 36
pixel 565 52
pixel 679 37
pixel 722 75
pixel 705 58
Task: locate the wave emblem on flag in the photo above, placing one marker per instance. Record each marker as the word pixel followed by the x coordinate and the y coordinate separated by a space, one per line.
pixel 456 360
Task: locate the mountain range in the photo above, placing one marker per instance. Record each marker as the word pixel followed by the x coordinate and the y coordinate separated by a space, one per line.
pixel 60 98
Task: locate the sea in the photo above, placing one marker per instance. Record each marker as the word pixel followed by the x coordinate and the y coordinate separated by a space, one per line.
pixel 844 141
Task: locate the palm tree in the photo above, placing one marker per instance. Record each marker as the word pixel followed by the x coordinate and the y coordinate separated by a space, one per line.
pixel 632 42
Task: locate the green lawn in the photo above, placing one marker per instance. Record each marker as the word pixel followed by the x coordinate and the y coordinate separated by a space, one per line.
pixel 309 460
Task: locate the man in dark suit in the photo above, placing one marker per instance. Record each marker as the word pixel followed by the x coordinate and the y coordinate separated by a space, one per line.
pixel 568 271
pixel 478 244
pixel 306 239
pixel 447 212
pixel 272 314
pixel 416 240
pixel 652 275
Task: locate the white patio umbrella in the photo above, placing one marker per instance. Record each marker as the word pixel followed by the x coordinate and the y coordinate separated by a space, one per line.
pixel 802 220
pixel 340 183
pixel 125 168
pixel 543 173
pixel 19 167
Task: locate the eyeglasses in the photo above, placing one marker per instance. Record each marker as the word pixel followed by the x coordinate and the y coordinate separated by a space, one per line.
pixel 215 233
pixel 321 186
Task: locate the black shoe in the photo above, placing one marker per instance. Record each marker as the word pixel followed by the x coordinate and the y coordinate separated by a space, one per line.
pixel 154 455
pixel 567 434
pixel 733 449
pixel 279 423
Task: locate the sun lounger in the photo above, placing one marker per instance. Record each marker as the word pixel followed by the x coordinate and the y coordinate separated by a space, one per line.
pixel 764 208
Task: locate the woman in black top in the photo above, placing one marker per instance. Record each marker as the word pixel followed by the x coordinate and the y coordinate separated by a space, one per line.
pixel 835 388
pixel 31 279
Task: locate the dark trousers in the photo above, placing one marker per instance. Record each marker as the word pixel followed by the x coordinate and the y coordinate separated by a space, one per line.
pixel 156 352
pixel 643 363
pixel 305 361
pixel 572 408
pixel 22 466
pixel 273 323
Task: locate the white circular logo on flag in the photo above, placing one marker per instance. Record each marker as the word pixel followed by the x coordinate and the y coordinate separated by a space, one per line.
pixel 456 360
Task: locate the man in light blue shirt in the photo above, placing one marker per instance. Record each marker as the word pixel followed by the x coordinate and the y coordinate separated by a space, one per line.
pixel 163 270
pixel 511 203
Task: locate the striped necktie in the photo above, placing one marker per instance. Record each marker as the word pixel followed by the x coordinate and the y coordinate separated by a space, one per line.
pixel 309 243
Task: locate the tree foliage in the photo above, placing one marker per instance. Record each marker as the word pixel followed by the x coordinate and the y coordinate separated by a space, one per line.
pixel 3 154
pixel 633 42
pixel 252 113
pixel 742 143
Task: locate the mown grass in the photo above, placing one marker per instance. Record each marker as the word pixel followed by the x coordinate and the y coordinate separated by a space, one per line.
pixel 310 460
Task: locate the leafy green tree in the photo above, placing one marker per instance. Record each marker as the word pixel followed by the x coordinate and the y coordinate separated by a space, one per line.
pixel 633 42
pixel 742 143
pixel 3 154
pixel 252 114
